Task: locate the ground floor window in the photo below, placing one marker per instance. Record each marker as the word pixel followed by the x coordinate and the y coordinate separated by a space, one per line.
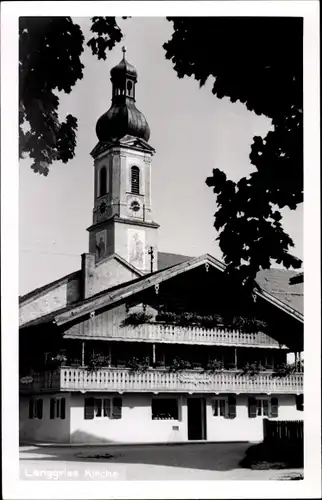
pixel 224 407
pixel 103 407
pixel 219 407
pixel 165 409
pixel 262 407
pixel 57 408
pixel 35 408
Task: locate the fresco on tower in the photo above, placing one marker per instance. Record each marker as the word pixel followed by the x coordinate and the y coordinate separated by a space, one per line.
pixel 100 244
pixel 136 246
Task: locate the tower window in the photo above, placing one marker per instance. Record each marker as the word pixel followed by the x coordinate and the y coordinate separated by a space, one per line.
pixel 135 180
pixel 103 182
pixel 129 87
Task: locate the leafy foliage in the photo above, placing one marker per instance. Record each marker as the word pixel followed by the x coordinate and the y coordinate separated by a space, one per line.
pixel 49 61
pixel 107 35
pixel 138 364
pixel 257 61
pixel 96 361
pixel 214 365
pixel 137 318
pixel 243 324
pixel 178 364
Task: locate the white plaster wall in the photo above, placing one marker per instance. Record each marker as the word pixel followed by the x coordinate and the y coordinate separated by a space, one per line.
pixel 52 300
pixel 136 424
pixel 121 242
pixel 44 430
pixel 108 274
pixel 243 428
pixel 39 306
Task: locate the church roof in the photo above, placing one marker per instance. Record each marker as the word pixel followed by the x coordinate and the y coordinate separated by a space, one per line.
pixel 274 286
pixel 281 283
pixel 110 296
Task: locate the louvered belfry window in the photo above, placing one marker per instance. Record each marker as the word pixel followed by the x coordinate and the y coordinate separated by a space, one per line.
pixel 135 180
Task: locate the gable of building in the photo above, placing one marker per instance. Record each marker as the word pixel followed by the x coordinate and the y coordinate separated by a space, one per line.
pixel 92 279
pixel 154 280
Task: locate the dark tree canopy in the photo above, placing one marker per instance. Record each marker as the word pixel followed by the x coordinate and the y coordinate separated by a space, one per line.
pixel 49 61
pixel 257 61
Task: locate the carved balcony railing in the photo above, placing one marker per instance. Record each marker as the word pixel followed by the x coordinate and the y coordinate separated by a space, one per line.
pixel 158 380
pixel 158 332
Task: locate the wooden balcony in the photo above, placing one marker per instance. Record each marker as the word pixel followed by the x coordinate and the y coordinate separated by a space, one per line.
pixel 158 332
pixel 158 380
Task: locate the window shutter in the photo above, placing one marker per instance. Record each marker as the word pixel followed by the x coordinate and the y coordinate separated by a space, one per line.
pixel 62 408
pixel 252 407
pixel 89 408
pixel 231 407
pixel 265 408
pixel 107 408
pixel 58 407
pixel 39 408
pixel 135 180
pixel 117 408
pixel 300 402
pixel 31 408
pixel 215 408
pixel 98 407
pixel 52 408
pixel 274 407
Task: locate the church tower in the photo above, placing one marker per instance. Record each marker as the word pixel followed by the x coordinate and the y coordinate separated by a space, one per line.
pixel 122 215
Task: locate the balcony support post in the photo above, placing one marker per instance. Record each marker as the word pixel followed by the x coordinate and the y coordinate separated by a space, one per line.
pixel 236 361
pixel 83 353
pixel 153 354
pixel 110 355
pixel 295 359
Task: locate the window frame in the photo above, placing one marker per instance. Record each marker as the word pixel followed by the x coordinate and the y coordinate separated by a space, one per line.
pixel 263 399
pixel 105 408
pixel 137 190
pixel 57 408
pixel 159 400
pixel 216 406
pixel 33 405
pixel 99 181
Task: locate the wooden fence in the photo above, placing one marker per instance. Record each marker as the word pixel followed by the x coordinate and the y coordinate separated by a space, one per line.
pixel 278 430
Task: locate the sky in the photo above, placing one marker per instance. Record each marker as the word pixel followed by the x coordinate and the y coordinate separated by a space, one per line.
pixel 192 132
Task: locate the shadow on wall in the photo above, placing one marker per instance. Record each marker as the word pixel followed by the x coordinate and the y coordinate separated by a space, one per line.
pixel 202 456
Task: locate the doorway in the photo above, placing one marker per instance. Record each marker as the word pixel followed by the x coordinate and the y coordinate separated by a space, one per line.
pixel 196 419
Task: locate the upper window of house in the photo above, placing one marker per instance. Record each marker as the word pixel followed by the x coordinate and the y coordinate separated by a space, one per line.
pixel 135 180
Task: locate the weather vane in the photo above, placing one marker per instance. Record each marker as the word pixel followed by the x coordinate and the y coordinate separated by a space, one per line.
pixel 124 51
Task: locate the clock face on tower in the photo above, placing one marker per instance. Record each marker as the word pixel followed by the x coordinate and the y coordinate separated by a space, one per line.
pixel 102 208
pixel 134 206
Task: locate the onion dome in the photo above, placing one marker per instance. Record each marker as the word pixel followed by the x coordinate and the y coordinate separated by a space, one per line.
pixel 123 117
pixel 124 68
